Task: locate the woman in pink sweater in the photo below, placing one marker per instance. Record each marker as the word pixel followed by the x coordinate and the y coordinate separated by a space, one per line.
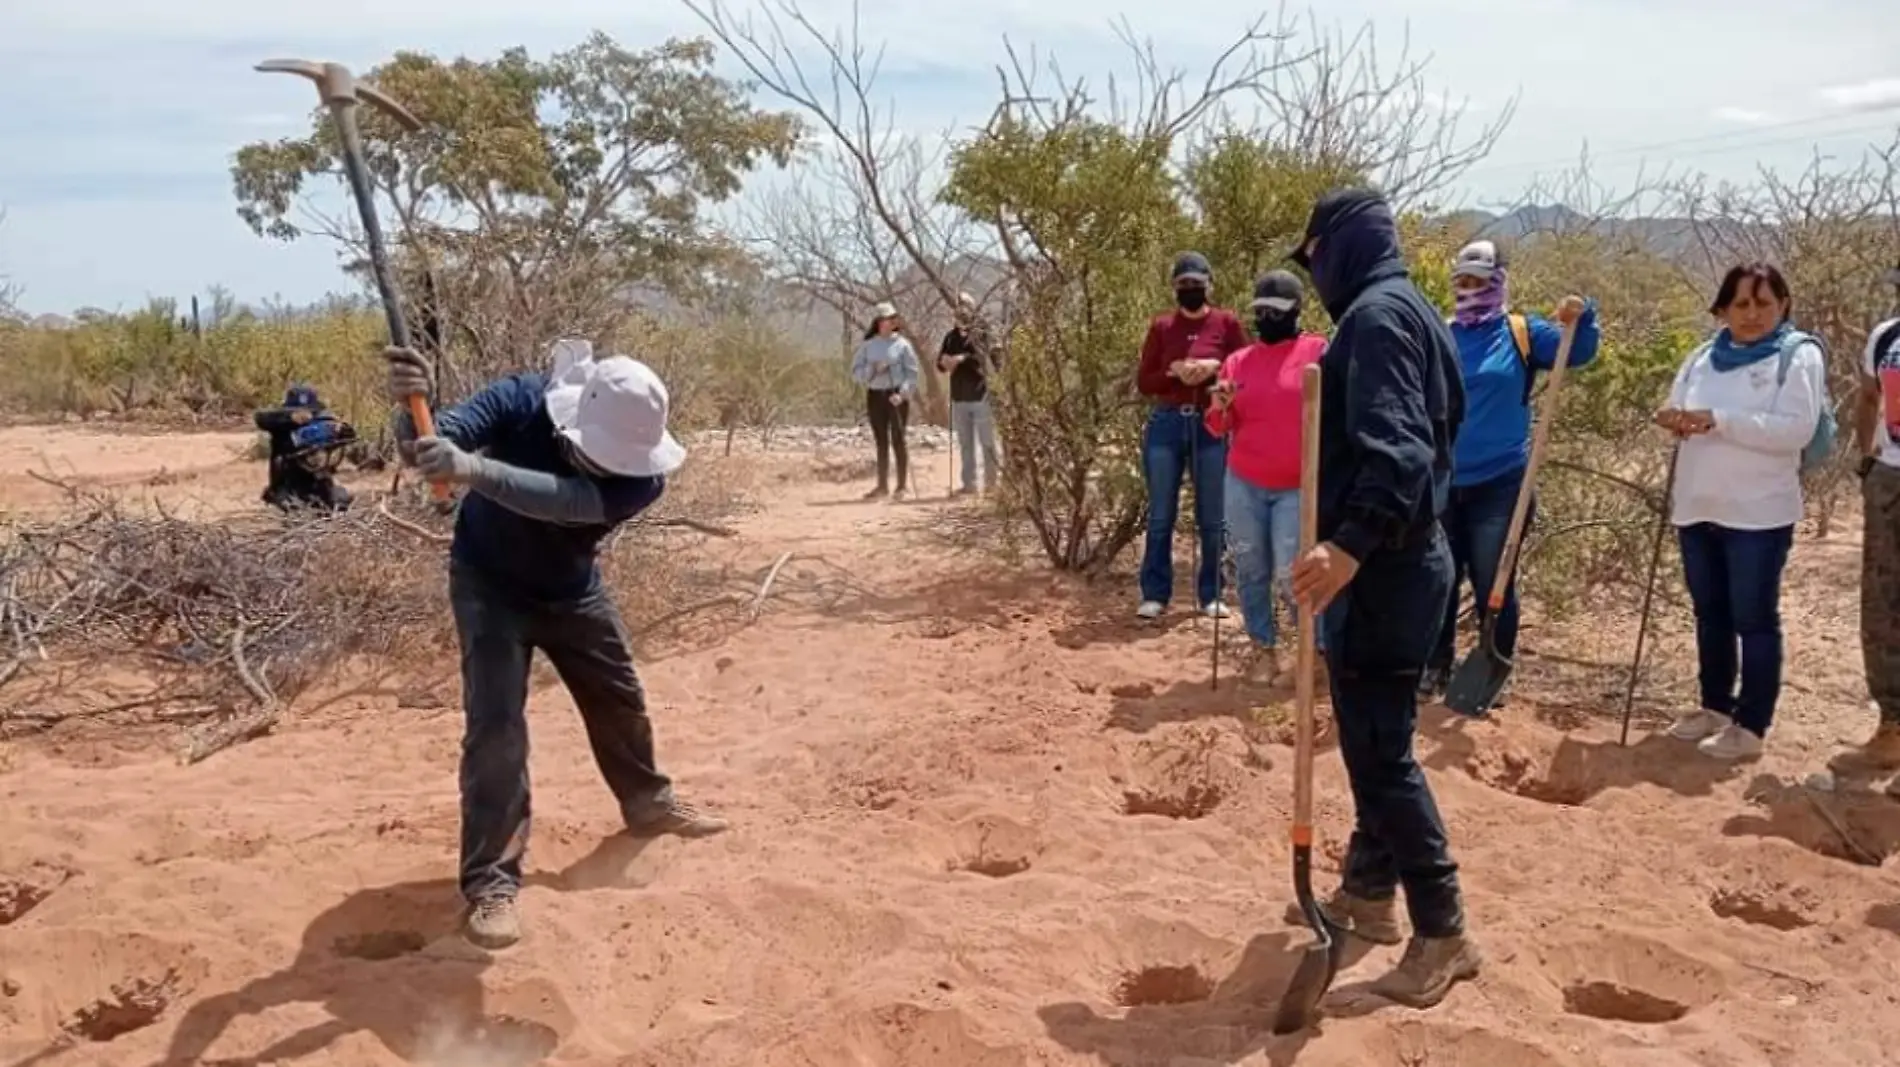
pixel 1256 407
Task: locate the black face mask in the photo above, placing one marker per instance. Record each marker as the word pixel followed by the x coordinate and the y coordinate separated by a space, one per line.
pixel 1273 328
pixel 1191 298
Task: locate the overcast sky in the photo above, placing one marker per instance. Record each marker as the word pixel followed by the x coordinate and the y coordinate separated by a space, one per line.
pixel 122 116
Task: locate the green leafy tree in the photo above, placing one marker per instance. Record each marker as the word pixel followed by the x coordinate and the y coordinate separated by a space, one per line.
pixel 541 196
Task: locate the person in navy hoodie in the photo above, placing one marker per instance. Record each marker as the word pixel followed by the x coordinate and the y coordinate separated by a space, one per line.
pixel 553 463
pixel 1391 404
pixel 1500 353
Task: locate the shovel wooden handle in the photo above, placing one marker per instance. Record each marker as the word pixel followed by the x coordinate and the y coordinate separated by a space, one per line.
pixel 1303 695
pixel 1540 443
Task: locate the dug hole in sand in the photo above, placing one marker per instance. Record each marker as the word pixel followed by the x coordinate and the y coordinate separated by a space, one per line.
pixel 980 819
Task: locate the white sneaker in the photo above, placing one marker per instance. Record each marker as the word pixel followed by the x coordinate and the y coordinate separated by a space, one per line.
pixel 1150 609
pixel 1733 743
pixel 1216 610
pixel 1698 725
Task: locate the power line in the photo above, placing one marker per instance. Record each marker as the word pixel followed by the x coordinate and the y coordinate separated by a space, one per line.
pixel 1674 147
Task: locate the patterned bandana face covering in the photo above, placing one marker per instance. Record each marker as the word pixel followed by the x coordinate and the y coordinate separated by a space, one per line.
pixel 1484 303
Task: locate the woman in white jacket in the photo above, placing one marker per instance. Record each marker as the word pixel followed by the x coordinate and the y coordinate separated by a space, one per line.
pixel 1743 408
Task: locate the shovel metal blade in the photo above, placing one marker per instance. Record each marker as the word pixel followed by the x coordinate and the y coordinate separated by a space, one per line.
pixel 1478 679
pixel 1319 965
pixel 1299 1008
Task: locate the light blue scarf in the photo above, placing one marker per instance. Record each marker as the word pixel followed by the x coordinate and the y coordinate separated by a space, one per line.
pixel 1725 355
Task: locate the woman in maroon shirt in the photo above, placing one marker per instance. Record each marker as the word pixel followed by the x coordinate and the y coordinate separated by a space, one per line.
pixel 1179 359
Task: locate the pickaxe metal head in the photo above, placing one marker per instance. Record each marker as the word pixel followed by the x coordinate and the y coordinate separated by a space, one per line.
pixel 338 88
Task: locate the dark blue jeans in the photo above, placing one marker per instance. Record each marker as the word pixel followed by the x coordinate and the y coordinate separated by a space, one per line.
pixel 1175 445
pixel 1476 520
pixel 1734 579
pixel 587 644
pixel 1379 632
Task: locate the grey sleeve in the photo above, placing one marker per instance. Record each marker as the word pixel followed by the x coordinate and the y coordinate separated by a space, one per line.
pixel 539 495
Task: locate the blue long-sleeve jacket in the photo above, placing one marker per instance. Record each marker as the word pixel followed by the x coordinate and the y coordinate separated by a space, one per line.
pixel 1496 437
pixel 536 559
pixel 1391 397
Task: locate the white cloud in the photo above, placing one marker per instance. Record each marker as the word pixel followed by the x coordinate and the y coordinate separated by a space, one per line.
pixel 1874 94
pixel 1742 116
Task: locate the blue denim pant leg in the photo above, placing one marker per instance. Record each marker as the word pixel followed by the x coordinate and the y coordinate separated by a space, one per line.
pixel 1283 528
pixel 1208 467
pixel 1164 462
pixel 1476 521
pixel 1174 448
pixel 1249 512
pixel 495 646
pixel 1376 650
pixel 1734 580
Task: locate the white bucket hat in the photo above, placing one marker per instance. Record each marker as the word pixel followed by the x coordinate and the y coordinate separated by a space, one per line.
pixel 1479 259
pixel 614 410
pixel 884 310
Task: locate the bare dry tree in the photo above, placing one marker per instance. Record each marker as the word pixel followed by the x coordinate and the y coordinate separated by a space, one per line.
pixel 1344 104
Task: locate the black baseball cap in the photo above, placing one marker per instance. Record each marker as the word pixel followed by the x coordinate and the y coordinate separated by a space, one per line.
pixel 1278 291
pixel 1192 267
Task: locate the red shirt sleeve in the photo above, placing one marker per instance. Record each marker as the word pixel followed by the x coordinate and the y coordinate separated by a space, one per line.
pixel 1152 378
pixel 1219 421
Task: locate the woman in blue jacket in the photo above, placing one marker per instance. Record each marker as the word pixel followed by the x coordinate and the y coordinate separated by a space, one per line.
pixel 1500 353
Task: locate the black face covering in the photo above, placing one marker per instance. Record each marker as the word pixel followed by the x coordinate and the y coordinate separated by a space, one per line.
pixel 1191 298
pixel 1273 327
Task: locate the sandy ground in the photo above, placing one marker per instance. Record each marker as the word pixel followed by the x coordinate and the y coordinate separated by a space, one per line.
pixel 980 820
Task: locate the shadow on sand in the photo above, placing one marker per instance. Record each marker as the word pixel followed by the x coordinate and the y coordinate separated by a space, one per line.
pixel 1173 1014
pixel 389 961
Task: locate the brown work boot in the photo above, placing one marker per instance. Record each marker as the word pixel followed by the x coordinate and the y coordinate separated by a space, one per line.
pixel 1265 668
pixel 1376 921
pixel 678 819
pixel 1428 970
pixel 1880 755
pixel 492 922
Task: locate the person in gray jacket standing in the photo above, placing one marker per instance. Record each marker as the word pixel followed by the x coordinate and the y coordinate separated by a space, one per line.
pixel 968 355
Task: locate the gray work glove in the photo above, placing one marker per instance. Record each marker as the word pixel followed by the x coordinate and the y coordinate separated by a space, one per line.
pixel 441 460
pixel 408 375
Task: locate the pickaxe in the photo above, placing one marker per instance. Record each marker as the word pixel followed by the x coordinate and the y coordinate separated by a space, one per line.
pixel 341 92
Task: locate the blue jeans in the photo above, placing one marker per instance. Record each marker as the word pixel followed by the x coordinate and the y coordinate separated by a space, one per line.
pixel 1476 520
pixel 1734 579
pixel 1263 533
pixel 1379 632
pixel 973 424
pixel 587 644
pixel 1177 444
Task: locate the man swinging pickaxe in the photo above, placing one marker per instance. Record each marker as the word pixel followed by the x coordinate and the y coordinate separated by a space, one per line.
pixel 341 92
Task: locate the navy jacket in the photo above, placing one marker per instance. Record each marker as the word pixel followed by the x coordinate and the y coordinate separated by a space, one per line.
pixel 1392 397
pixel 531 558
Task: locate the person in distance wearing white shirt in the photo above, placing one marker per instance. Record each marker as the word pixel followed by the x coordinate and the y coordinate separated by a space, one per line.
pixel 1877 438
pixel 1741 428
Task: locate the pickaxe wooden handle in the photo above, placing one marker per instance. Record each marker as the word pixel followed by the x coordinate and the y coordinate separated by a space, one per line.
pixel 339 90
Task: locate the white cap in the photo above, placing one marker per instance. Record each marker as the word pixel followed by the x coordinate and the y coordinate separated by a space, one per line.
pixel 614 410
pixel 1479 259
pixel 884 310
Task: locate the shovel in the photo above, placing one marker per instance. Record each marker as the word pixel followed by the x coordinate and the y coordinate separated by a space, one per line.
pixel 1320 963
pixel 1480 677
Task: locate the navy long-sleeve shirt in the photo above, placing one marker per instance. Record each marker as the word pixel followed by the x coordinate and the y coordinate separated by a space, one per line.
pixel 1392 399
pixel 535 558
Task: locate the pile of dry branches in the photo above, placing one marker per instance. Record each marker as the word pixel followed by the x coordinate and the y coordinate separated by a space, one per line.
pixel 222 622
